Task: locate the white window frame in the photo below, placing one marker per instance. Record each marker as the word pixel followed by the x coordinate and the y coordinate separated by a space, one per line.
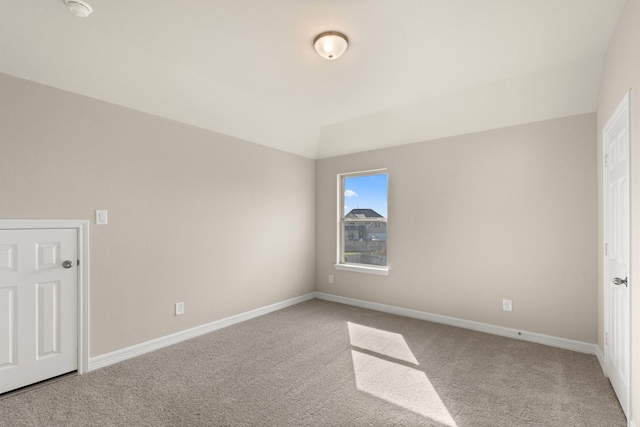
pixel 341 264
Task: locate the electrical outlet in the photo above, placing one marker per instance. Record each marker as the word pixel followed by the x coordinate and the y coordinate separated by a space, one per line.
pixel 179 308
pixel 330 278
pixel 506 305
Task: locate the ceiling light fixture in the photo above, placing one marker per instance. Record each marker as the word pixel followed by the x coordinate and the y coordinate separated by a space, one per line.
pixel 330 44
pixel 79 8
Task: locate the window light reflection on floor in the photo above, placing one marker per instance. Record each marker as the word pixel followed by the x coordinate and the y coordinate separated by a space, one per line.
pixel 378 341
pixel 394 382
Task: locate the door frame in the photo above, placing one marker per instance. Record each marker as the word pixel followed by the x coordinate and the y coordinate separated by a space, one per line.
pixel 82 228
pixel 625 103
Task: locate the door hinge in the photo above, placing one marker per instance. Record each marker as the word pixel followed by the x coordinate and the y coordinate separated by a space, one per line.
pixel 606 338
pixel 606 249
pixel 78 262
pixel 606 160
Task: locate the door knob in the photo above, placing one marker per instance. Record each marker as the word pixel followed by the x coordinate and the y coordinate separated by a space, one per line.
pixel 67 264
pixel 618 281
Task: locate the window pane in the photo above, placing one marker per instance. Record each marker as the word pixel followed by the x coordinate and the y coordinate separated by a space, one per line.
pixel 365 243
pixel 364 219
pixel 365 193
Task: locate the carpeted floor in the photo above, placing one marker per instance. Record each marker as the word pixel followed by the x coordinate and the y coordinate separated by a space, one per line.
pixel 325 364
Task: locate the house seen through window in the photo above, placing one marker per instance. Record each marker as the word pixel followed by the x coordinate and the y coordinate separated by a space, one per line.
pixel 362 236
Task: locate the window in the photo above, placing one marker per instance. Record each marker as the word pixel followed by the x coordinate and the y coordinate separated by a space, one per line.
pixel 362 228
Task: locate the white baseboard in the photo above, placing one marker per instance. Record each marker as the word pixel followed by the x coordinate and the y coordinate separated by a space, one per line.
pixel 632 424
pixel 158 343
pixel 564 343
pixel 600 357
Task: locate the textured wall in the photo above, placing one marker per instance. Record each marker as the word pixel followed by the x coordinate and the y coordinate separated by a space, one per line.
pixel 222 224
pixel 503 214
pixel 621 72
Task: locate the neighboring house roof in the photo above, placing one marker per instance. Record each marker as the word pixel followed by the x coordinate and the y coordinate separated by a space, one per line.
pixel 363 213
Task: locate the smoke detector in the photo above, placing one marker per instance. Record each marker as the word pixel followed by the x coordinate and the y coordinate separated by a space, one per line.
pixel 79 8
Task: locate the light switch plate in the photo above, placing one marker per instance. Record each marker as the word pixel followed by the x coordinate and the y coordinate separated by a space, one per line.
pixel 101 217
pixel 179 308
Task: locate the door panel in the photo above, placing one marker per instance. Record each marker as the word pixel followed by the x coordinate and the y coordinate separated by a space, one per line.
pixel 48 314
pixel 8 257
pixel 617 232
pixel 38 305
pixel 8 326
pixel 48 255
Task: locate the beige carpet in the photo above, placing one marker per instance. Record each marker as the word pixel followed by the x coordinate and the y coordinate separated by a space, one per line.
pixel 325 364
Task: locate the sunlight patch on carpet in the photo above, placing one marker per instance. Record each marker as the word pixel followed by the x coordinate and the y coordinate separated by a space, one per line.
pixel 382 342
pixel 394 382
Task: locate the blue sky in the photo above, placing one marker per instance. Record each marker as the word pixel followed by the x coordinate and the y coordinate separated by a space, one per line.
pixel 366 192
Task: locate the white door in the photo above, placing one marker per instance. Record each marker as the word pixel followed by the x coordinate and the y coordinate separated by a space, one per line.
pixel 38 305
pixel 617 236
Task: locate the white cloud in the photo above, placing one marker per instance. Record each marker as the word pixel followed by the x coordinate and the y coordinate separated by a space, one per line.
pixel 350 193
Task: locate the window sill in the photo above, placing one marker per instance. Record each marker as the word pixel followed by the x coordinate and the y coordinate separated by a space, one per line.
pixel 380 271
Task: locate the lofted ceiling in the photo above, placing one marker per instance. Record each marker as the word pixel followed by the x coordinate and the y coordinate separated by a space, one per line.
pixel 414 70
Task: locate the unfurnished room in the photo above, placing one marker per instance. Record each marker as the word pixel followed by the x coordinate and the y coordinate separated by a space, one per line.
pixel 319 213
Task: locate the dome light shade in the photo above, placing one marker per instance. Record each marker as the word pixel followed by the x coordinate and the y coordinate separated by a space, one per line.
pixel 79 8
pixel 330 44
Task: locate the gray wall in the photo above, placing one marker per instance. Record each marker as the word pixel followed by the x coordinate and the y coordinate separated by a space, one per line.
pixel 222 224
pixel 227 226
pixel 504 214
pixel 621 72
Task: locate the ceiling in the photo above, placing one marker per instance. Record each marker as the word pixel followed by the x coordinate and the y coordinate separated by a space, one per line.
pixel 414 70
